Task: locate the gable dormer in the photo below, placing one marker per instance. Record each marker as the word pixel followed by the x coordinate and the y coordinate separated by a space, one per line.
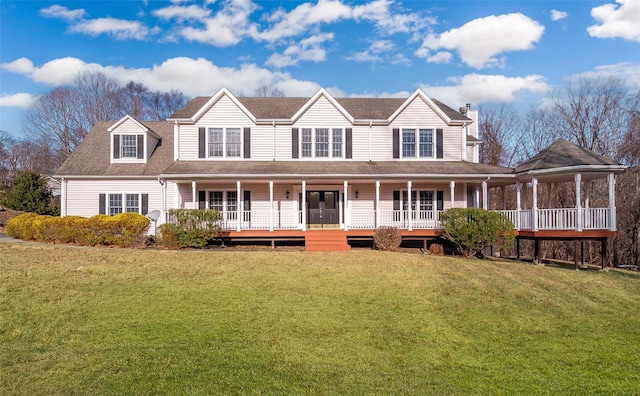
pixel 131 142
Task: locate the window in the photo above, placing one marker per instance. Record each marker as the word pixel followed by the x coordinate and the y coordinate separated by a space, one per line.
pixel 225 142
pixel 129 146
pixel 307 142
pixel 115 204
pixel 408 143
pixel 216 201
pixel 424 139
pixel 321 143
pixel 337 143
pixel 132 203
pixel 228 208
pixel 426 143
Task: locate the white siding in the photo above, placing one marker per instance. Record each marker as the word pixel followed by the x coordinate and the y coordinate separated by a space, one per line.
pixel 322 114
pixel 419 115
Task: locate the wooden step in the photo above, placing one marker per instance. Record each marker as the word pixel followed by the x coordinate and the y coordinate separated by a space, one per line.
pixel 326 241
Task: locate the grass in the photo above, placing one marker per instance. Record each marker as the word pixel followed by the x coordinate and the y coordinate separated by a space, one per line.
pixel 116 321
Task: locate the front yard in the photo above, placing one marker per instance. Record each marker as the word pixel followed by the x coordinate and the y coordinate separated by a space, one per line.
pixel 119 321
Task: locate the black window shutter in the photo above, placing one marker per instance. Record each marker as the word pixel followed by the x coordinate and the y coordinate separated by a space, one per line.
pixel 102 203
pixel 348 136
pixel 440 200
pixel 247 200
pixel 145 204
pixel 247 142
pixel 202 199
pixel 294 143
pixel 201 143
pixel 116 146
pixel 396 200
pixel 439 150
pixel 396 143
pixel 140 146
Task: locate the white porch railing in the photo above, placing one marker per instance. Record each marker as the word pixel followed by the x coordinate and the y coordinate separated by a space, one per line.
pixel 547 219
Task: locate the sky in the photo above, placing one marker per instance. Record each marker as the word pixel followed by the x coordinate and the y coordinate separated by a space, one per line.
pixel 479 52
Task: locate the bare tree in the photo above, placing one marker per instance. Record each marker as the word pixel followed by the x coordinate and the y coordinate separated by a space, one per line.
pixel 163 104
pixel 501 135
pixel 268 91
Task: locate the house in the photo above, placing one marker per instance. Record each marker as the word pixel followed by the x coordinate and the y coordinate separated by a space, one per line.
pixel 282 168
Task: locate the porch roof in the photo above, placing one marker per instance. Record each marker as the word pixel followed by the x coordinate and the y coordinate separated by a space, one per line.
pixel 442 170
pixel 563 158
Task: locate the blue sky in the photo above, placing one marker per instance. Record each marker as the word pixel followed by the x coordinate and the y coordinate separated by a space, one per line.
pixel 477 52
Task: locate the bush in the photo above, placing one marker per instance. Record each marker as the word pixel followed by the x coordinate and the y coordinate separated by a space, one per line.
pixel 387 238
pixel 29 193
pixel 167 236
pixel 473 229
pixel 436 249
pixel 195 228
pixel 126 229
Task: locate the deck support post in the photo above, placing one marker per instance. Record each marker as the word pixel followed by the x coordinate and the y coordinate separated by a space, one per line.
pixel 603 252
pixel 270 204
pixel 612 202
pixel 534 205
pixel 377 219
pixel 536 251
pixel 575 254
pixel 409 208
pixel 347 217
pixel 518 249
pixel 304 205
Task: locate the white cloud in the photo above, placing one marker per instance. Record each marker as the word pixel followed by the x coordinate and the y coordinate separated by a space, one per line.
pixel 477 88
pixel 119 29
pixel 400 59
pixel 558 15
pixel 228 27
pixel 378 12
pixel 192 12
pixel 308 49
pixel 379 46
pixel 627 72
pixel 364 57
pixel 180 73
pixel 20 100
pixel 617 21
pixel 479 41
pixel 58 11
pixel 440 57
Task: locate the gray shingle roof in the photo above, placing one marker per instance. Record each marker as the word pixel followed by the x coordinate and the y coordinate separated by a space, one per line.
pixel 284 108
pixel 92 157
pixel 337 169
pixel 564 154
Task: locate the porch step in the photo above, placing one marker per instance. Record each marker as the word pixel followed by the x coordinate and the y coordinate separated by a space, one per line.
pixel 326 241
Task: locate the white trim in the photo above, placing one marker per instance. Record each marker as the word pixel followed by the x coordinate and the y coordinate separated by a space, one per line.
pixel 419 93
pixel 322 92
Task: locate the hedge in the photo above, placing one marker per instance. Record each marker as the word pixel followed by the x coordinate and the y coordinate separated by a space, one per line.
pixel 125 229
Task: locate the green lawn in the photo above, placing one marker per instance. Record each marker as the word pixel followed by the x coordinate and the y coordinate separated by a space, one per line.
pixel 117 321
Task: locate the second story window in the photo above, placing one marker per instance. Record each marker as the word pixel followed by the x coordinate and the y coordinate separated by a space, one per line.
pixel 224 142
pixel 417 143
pixel 129 146
pixel 321 143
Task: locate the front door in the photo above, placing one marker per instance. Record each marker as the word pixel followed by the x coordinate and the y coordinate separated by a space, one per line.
pixel 322 208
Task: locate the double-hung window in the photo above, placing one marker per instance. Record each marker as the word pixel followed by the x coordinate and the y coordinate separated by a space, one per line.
pixel 321 143
pixel 225 202
pixel 420 143
pixel 129 146
pixel 121 203
pixel 225 142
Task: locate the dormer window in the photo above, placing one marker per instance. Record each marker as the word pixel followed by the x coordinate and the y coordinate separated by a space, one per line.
pixel 128 147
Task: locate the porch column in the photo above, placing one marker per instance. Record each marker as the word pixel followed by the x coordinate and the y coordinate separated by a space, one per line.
pixel 485 195
pixel 612 202
pixel 377 219
pixel 304 205
pixel 518 205
pixel 578 179
pixel 534 205
pixel 347 213
pixel 409 211
pixel 63 197
pixel 587 197
pixel 193 195
pixel 476 198
pixel 270 205
pixel 452 188
pixel 239 203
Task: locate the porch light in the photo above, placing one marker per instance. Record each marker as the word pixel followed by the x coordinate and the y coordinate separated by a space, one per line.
pixel 287 194
pixel 357 193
